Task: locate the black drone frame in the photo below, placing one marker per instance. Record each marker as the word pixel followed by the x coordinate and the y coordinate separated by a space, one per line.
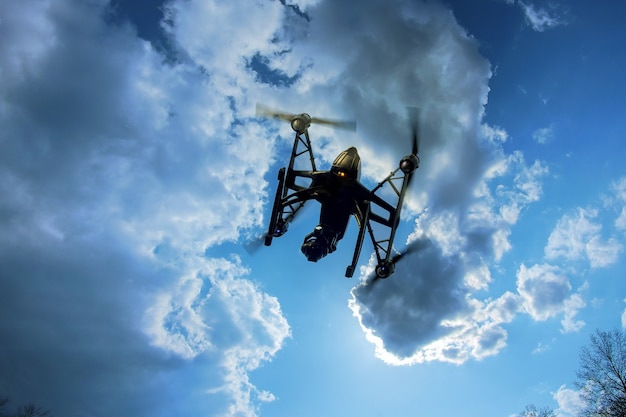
pixel 366 204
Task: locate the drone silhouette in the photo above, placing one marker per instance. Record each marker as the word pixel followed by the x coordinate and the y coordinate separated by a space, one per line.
pixel 340 194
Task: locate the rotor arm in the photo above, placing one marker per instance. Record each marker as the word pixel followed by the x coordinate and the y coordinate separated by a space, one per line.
pixel 302 146
pixel 290 196
pixel 277 209
pixel 398 181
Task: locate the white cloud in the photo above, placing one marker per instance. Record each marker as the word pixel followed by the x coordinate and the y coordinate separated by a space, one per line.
pixel 427 311
pixel 569 401
pixel 603 253
pixel 528 179
pixel 543 135
pixel 619 189
pixel 215 311
pixel 571 307
pixel 518 185
pixel 540 348
pixel 193 23
pixel 494 133
pixel 503 309
pixel 544 290
pixel 464 242
pixel 577 236
pixel 541 19
pixel 119 171
pixel 260 331
pixel 32 36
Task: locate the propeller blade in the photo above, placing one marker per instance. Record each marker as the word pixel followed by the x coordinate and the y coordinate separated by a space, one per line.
pixel 254 244
pixel 414 120
pixel 265 111
pixel 341 124
pixel 370 281
pixel 415 148
pixel 413 247
pixel 409 180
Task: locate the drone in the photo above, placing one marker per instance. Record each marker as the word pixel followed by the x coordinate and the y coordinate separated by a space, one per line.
pixel 340 194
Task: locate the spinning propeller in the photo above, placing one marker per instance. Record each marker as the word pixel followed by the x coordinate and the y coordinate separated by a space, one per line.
pixel 413 247
pixel 301 122
pixel 411 162
pixel 255 243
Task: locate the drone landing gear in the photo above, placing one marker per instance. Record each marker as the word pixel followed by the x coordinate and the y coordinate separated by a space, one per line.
pixel 277 226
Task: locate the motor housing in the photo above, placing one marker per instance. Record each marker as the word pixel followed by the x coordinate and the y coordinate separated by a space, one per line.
pixel 409 163
pixel 385 268
pixel 301 122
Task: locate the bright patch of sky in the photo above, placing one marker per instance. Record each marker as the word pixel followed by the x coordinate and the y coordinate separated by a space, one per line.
pixel 134 171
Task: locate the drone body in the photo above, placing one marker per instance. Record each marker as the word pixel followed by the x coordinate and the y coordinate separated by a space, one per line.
pixel 341 195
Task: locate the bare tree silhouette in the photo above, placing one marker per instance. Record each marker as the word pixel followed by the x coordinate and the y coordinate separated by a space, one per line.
pixel 26 410
pixel 531 410
pixel 601 377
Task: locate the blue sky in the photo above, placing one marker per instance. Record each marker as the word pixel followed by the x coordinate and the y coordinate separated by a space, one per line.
pixel 133 171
